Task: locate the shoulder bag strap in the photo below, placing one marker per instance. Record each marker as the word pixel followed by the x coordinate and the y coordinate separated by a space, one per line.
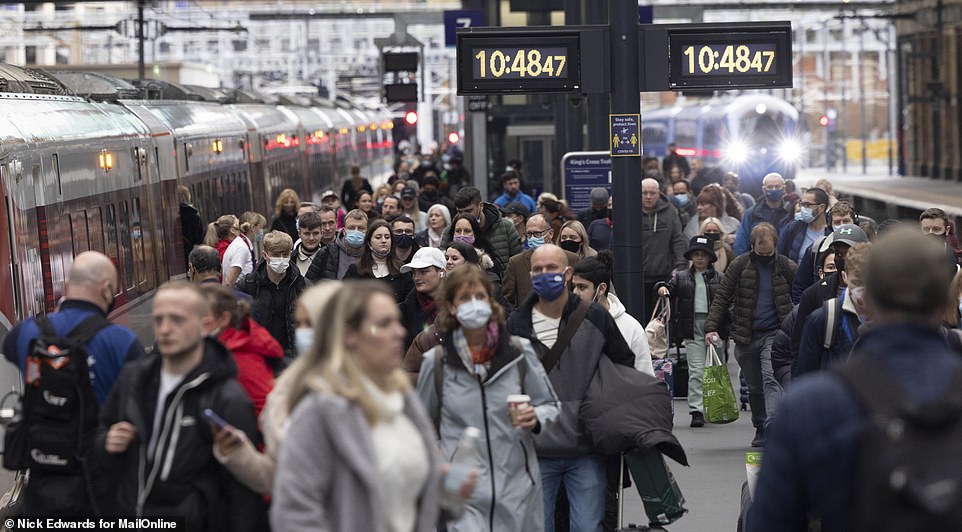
pixel 574 321
pixel 46 328
pixel 88 328
pixel 830 319
pixel 439 376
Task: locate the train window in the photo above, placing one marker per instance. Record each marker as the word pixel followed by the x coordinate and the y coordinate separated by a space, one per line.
pixel 715 134
pixel 137 238
pixel 138 167
pixel 124 234
pixel 111 232
pixel 55 170
pixel 95 229
pixel 78 232
pixel 655 133
pixel 686 133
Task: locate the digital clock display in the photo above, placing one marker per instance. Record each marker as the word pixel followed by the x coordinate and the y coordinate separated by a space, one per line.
pixel 737 59
pixel 710 59
pixel 517 63
pixel 501 64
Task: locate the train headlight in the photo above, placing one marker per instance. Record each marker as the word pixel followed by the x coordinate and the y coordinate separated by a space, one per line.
pixel 736 152
pixel 790 151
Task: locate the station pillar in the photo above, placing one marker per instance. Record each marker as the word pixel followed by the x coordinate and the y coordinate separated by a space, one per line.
pixel 626 170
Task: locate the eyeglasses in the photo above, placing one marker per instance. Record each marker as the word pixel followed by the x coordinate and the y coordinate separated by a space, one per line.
pixel 399 232
pixel 536 234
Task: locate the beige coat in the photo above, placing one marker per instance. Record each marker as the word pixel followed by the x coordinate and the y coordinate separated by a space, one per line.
pixel 327 474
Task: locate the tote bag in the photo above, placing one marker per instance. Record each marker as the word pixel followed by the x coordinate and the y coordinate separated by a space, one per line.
pixel 657 328
pixel 719 397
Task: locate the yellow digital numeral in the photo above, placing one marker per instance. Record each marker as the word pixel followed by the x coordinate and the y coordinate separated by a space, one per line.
pixel 480 57
pixel 498 63
pixel 518 65
pixel 742 60
pixel 757 61
pixel 548 66
pixel 770 54
pixel 562 60
pixel 690 54
pixel 728 59
pixel 534 63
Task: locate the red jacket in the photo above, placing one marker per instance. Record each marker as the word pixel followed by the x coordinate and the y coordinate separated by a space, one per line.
pixel 222 247
pixel 251 345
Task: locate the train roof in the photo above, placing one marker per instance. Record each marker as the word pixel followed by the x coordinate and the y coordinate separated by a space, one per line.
pixel 25 80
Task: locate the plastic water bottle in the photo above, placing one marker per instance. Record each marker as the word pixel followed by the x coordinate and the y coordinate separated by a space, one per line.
pixel 465 460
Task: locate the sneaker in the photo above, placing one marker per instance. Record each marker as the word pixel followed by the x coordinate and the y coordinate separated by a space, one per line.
pixel 759 438
pixel 697 419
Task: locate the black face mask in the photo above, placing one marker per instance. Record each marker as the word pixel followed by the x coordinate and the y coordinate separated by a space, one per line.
pixel 429 194
pixel 713 237
pixel 839 263
pixel 763 259
pixel 570 245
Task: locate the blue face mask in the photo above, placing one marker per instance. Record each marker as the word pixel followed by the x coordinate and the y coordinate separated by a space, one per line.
pixel 549 286
pixel 774 195
pixel 805 215
pixel 682 199
pixel 534 243
pixel 353 237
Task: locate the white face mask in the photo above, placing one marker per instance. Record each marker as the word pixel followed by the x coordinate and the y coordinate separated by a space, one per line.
pixel 474 314
pixel 278 265
pixel 303 339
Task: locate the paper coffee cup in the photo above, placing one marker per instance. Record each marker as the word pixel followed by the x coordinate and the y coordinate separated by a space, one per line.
pixel 517 403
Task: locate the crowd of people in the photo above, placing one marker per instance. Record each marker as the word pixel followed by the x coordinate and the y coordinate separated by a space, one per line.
pixel 333 358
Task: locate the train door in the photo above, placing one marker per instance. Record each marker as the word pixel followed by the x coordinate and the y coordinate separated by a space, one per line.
pixel 11 296
pixel 534 145
pixel 152 199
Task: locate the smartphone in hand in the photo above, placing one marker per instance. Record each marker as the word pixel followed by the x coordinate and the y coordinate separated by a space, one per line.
pixel 212 417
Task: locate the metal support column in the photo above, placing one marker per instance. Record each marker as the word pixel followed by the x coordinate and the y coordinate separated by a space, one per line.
pixel 597 105
pixel 626 171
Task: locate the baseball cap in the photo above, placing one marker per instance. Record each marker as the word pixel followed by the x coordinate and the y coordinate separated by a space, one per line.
pixel 328 194
pixel 850 234
pixel 408 193
pixel 599 196
pixel 425 257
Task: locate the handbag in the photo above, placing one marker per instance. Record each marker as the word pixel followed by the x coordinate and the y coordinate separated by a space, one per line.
pixel 657 328
pixel 719 397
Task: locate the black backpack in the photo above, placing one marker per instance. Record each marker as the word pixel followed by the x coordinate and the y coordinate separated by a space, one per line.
pixel 908 473
pixel 59 409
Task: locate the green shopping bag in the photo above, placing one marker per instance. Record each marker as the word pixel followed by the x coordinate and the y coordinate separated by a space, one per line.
pixel 719 397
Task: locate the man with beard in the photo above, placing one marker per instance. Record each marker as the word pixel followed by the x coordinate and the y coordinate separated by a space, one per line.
pixel 309 229
pixel 153 432
pixel 333 261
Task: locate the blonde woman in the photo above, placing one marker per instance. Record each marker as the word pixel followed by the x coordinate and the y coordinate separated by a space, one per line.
pixel 574 238
pixel 221 232
pixel 713 229
pixel 285 213
pixel 231 446
pixel 360 451
pixel 240 256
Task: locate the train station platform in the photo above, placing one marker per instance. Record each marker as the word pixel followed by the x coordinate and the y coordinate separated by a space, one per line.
pixel 881 196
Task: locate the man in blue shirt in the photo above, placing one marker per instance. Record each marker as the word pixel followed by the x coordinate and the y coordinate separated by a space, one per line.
pixel 511 183
pixel 90 290
pixel 811 452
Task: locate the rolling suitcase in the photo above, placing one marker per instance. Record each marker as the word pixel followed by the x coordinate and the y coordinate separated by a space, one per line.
pixel 680 376
pixel 630 527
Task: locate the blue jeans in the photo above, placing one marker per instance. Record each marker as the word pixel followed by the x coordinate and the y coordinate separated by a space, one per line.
pixel 584 478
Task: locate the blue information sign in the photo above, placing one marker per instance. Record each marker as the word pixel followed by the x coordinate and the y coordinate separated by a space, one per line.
pixel 625 140
pixel 460 18
pixel 646 14
pixel 581 172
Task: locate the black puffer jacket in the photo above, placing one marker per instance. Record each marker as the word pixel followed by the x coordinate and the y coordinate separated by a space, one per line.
pixel 281 326
pixel 740 285
pixel 681 288
pixel 182 478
